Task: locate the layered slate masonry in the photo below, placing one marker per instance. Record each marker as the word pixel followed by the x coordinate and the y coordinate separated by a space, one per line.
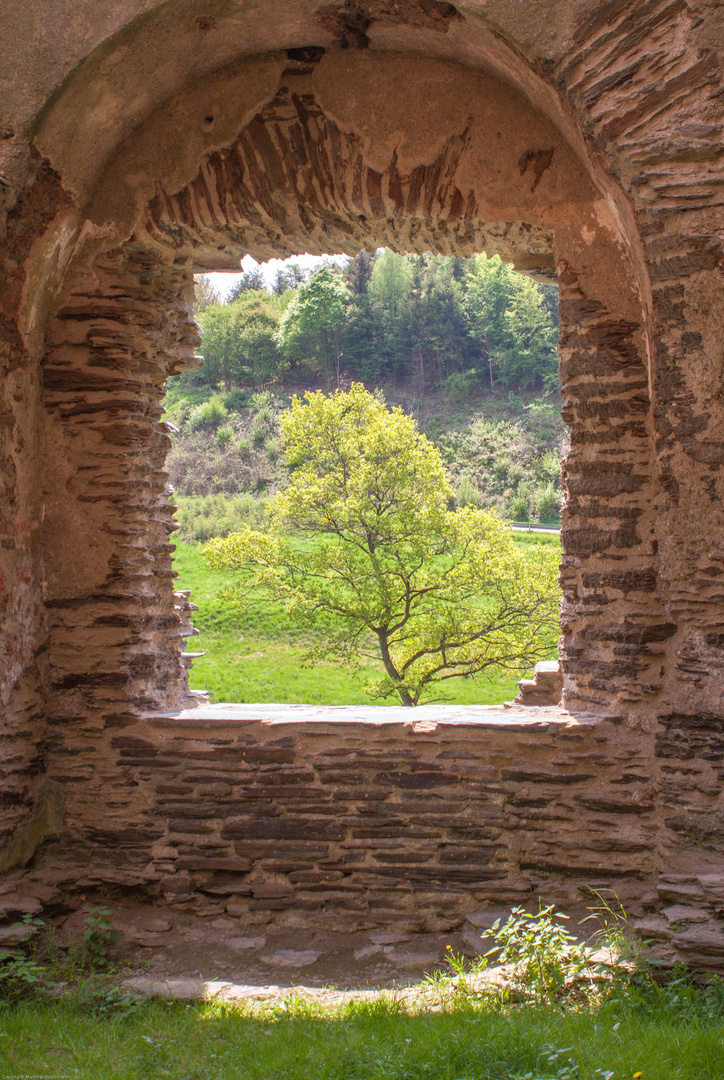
pixel 367 816
pixel 580 141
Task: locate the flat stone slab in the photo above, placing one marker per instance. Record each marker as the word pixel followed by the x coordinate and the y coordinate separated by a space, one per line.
pixel 188 989
pixel 292 958
pixel 416 961
pixel 15 935
pixel 682 913
pixel 425 717
pixel 243 943
pixel 147 940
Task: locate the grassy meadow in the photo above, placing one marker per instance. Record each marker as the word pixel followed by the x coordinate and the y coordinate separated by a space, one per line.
pixel 256 655
pixel 656 1036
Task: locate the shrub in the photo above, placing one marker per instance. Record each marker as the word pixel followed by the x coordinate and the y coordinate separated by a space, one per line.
pixel 99 936
pixel 243 448
pixel 546 958
pixel 519 506
pixel 261 400
pixel 224 436
pixel 208 415
pixel 468 494
pixel 259 431
pixel 178 412
pixel 235 400
pixel 542 419
pixel 457 386
pixel 550 466
pixel 218 515
pixel 548 503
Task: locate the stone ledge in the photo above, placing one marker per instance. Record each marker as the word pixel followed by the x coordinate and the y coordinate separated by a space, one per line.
pixel 423 718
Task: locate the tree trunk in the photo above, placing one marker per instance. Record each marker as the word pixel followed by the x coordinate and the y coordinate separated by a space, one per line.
pixel 337 355
pixel 390 668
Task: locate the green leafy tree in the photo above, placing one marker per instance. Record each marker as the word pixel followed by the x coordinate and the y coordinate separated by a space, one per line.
pixel 240 340
pixel 313 324
pixel 489 291
pixel 363 540
pixel 530 358
pixel 219 346
pixel 257 316
pixel 205 294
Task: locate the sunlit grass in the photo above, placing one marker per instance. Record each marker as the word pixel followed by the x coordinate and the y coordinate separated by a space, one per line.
pixel 256 656
pixel 364 1041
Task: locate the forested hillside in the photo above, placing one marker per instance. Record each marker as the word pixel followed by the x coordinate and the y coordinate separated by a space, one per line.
pixel 466 346
pixel 429 321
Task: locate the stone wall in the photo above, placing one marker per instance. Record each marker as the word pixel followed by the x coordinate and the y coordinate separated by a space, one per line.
pixel 364 817
pixel 582 140
pixel 24 799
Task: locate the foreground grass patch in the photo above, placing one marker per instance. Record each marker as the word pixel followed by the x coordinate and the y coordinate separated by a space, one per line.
pixel 257 656
pixel 365 1041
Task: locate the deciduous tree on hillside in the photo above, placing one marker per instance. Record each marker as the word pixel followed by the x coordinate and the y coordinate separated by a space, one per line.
pixel 314 321
pixel 240 340
pixel 363 542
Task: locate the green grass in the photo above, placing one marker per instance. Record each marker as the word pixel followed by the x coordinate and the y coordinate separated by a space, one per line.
pixel 366 1041
pixel 256 656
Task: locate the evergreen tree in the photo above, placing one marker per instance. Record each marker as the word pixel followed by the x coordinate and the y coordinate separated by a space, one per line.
pixel 446 328
pixel 390 292
pixel 358 273
pixel 359 344
pixel 250 281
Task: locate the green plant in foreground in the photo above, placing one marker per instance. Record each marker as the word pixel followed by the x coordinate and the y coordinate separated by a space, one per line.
pixel 545 957
pixel 99 936
pixel 543 961
pixel 45 966
pixel 20 977
pixel 224 436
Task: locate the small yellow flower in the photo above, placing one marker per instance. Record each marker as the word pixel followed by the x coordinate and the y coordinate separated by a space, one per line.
pixel 450 947
pixel 637 1076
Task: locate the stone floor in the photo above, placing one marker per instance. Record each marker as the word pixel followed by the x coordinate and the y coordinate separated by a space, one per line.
pixel 160 944
pixel 182 955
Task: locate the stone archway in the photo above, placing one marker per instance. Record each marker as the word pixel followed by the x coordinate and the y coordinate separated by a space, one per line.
pixel 314 147
pixel 496 177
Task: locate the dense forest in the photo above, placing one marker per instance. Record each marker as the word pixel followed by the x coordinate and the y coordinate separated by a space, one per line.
pixel 466 346
pixel 426 320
